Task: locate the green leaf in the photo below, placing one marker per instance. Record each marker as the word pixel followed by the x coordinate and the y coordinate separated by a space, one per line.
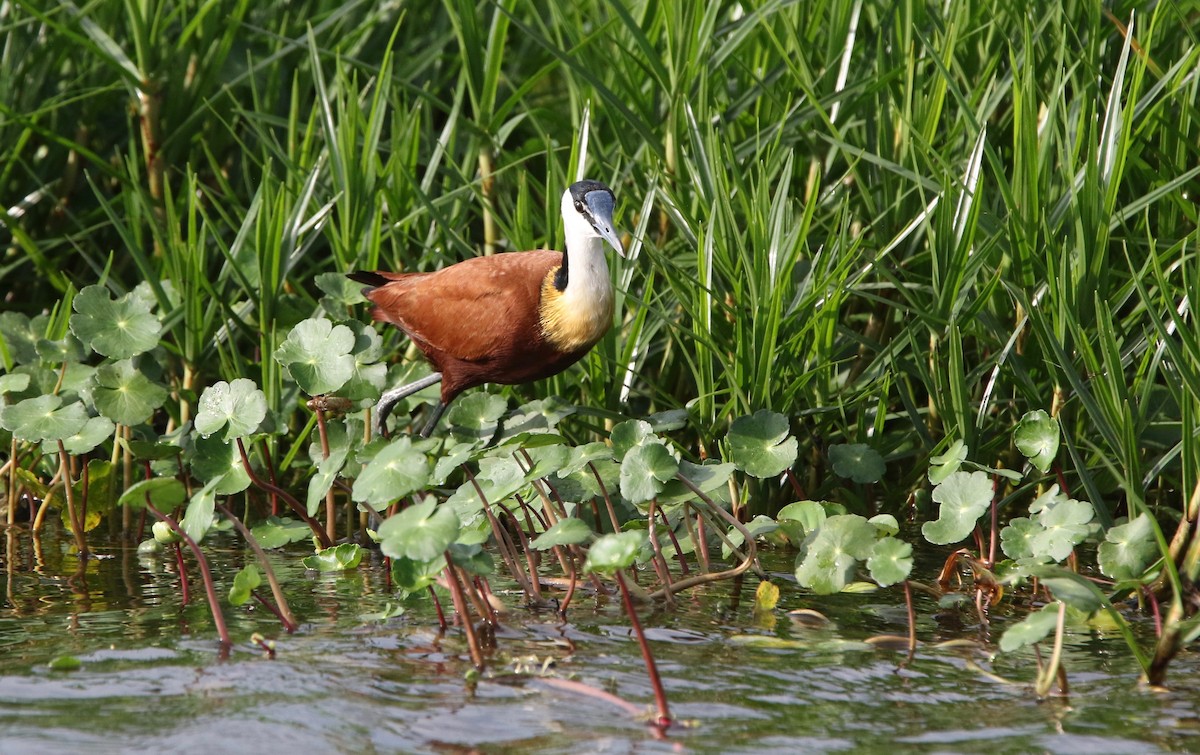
pixel 369 376
pixel 581 456
pixel 644 470
pixel 758 526
pixel 1075 591
pixel 420 532
pixel 829 554
pixel 569 531
pixel 476 417
pixel 614 551
pixel 216 462
pixel 199 515
pixel 94 432
pixel 1033 628
pixel 277 532
pixel 244 582
pixel 396 471
pixel 117 329
pixel 125 395
pixel 1128 549
pixel 759 444
pixel 64 663
pixel 1064 525
pixel 856 461
pixel 941 467
pixel 20 335
pixel 238 408
pixel 1016 539
pixel 343 557
pixel 890 561
pixel 963 496
pixel 14 383
pixel 810 514
pixel 472 557
pixel 885 523
pixel 410 575
pixel 630 434
pixel 43 418
pixel 316 353
pixel 1037 437
pixel 165 493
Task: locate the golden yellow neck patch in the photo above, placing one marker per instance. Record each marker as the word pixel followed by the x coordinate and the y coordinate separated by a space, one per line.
pixel 573 323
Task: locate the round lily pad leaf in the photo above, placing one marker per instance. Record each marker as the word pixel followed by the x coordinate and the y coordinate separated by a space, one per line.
pixel 316 354
pixel 237 408
pixel 119 328
pixel 199 515
pixel 963 496
pixel 759 444
pixel 396 471
pixel 890 561
pixel 1037 436
pixel 569 531
pixel 125 395
pixel 94 432
pixel 411 576
pixel 856 461
pixel 472 557
pixel 644 470
pixel 630 434
pixel 476 417
pixel 1064 525
pixel 21 335
pixel 1128 549
pixel 420 532
pixel 370 375
pixel 43 418
pixel 14 382
pixel 218 463
pixel 614 551
pixel 1016 539
pixel 828 556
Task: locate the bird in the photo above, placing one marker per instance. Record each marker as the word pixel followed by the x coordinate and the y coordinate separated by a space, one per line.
pixel 509 318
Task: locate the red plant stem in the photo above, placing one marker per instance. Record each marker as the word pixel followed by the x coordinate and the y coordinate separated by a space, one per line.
pixel 460 607
pixel 437 604
pixel 573 575
pixel 660 695
pixel 795 484
pixel 702 543
pixel 1154 609
pixel 271 607
pixel 205 575
pixel 271 473
pixel 485 592
pixel 183 578
pixel 683 567
pixel 612 513
pixel 298 509
pixel 507 552
pixel 284 612
pixel 660 562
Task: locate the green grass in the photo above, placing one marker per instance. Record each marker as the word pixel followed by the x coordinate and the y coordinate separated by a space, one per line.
pixel 895 226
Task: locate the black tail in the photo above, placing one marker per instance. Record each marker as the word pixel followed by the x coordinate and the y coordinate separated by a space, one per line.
pixel 369 279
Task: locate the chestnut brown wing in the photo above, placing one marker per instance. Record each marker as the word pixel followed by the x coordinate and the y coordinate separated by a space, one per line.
pixel 478 310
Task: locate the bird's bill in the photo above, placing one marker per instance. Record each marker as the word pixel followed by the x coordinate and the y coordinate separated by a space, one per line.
pixel 601 207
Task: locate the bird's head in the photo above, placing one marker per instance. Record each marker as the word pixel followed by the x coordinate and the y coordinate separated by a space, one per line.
pixel 587 208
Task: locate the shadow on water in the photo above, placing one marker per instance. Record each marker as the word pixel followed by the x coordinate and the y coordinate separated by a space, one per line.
pixel 150 678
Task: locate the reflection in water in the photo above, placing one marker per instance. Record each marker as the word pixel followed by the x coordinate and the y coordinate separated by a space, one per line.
pixel 151 681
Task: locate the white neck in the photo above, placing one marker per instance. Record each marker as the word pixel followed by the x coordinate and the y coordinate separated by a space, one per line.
pixel 588 283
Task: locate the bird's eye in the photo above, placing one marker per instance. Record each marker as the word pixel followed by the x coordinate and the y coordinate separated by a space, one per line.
pixel 578 206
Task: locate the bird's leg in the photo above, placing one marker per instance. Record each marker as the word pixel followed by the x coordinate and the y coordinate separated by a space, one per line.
pixel 432 423
pixel 389 399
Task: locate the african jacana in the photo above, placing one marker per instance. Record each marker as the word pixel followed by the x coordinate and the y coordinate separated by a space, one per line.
pixel 509 318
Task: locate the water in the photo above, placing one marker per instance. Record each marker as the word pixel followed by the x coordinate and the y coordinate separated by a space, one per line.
pixel 151 679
